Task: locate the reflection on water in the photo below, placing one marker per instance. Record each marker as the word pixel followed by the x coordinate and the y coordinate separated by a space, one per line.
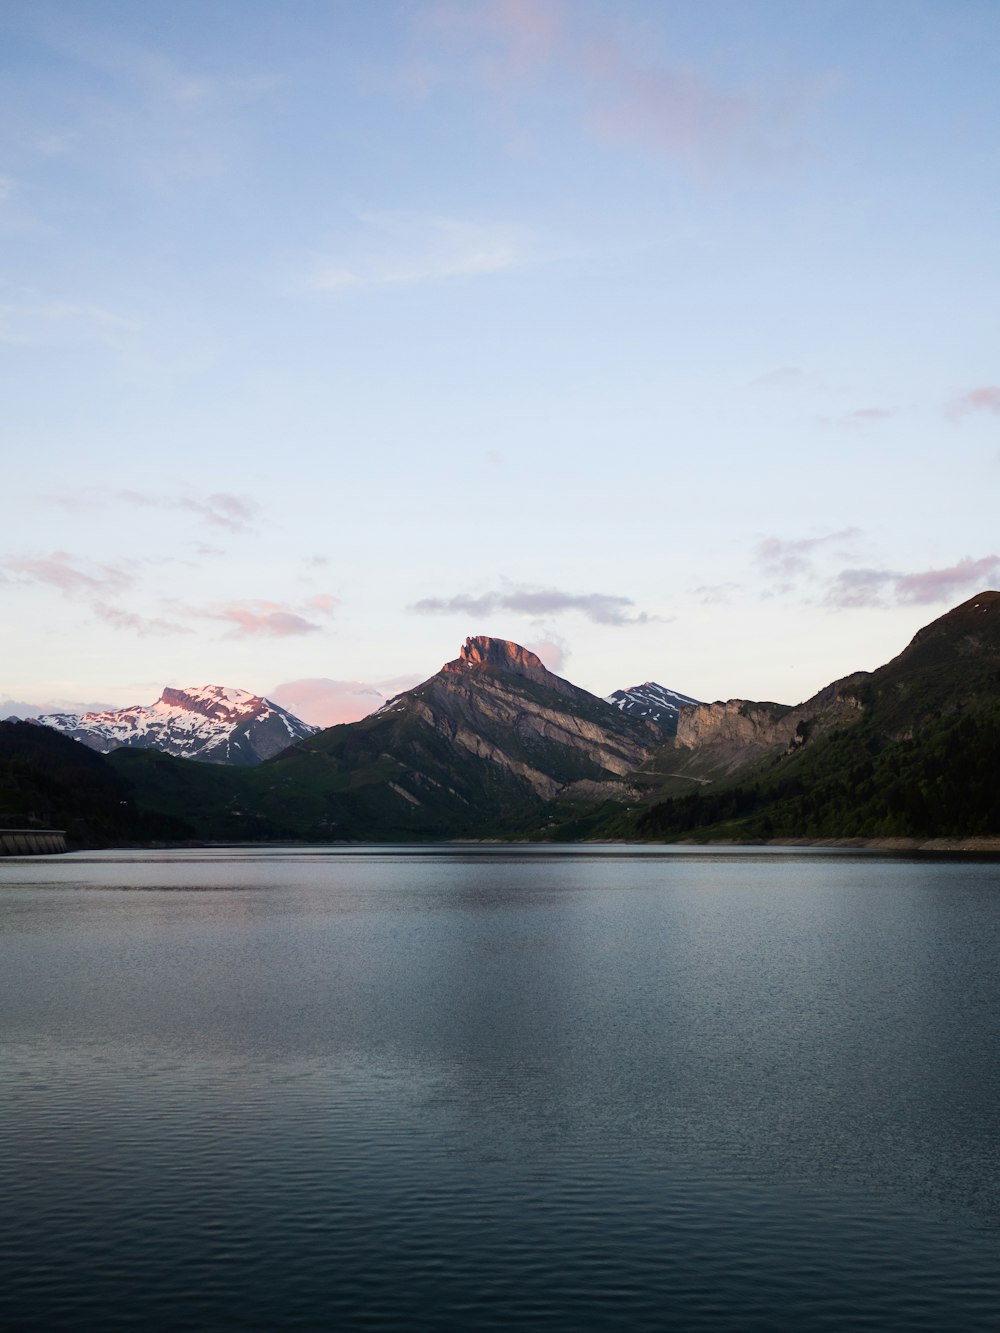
pixel 476 1087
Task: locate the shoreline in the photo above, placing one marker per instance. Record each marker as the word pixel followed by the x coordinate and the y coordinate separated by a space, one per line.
pixel 989 845
pixel 984 846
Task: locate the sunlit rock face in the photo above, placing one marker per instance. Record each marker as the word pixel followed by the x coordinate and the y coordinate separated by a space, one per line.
pixel 211 723
pixel 499 653
pixel 501 656
pixel 736 722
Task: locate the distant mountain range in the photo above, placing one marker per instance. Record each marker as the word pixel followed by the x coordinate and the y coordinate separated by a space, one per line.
pixel 495 745
pixel 217 724
pixel 209 722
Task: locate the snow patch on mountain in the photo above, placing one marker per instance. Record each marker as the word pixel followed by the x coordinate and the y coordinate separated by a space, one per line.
pixel 653 702
pixel 212 723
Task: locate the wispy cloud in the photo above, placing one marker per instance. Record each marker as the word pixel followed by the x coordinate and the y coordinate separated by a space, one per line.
pixel 785 377
pixel 235 513
pixel 257 617
pixel 92 585
pixel 122 619
pixel 221 509
pixel 67 573
pixel 720 593
pixel 986 398
pixel 599 607
pixel 859 418
pixel 403 249
pixel 860 587
pixel 790 557
pixel 882 587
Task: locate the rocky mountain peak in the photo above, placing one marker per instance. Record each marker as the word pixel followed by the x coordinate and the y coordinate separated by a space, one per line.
pixel 500 654
pixel 214 701
pixel 212 723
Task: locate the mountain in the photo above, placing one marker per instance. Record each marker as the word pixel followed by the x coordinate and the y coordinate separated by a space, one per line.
pixel 495 745
pixel 474 751
pixel 51 781
pixel 910 749
pixel 653 702
pixel 477 748
pixel 209 723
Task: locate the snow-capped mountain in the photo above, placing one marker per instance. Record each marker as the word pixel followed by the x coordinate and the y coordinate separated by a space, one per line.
pixel 653 702
pixel 206 722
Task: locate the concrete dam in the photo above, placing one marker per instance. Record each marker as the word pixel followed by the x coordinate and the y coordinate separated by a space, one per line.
pixel 31 842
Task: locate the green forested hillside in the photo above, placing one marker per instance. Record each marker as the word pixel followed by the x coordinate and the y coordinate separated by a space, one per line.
pixel 856 783
pixel 50 781
pixel 921 760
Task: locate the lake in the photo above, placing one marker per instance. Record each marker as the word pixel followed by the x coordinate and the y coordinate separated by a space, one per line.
pixel 479 1087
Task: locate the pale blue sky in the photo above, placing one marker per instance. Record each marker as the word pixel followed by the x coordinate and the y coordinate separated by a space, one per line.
pixel 661 337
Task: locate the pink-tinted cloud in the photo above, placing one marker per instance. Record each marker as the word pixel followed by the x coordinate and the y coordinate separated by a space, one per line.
pixel 937 585
pixel 667 108
pixel 258 618
pixel 550 648
pixel 788 557
pixel 600 607
pixel 69 574
pixel 325 702
pixel 984 399
pixel 854 588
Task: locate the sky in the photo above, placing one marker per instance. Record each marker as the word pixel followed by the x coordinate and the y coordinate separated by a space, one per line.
pixel 660 337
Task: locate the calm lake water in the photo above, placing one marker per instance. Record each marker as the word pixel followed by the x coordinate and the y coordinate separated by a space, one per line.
pixel 492 1088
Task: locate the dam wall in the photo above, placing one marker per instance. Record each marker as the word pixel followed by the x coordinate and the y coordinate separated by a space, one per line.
pixel 31 842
